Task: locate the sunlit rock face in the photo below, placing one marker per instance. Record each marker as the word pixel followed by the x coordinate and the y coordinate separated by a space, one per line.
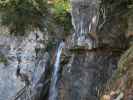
pixel 100 21
pixel 9 83
pixel 20 52
pixel 84 19
pixel 84 16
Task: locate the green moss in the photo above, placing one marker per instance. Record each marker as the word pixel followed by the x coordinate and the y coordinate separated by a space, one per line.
pixel 3 59
pixel 125 59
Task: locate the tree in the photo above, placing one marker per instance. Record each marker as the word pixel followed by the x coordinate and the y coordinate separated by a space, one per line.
pixel 20 15
pixel 62 16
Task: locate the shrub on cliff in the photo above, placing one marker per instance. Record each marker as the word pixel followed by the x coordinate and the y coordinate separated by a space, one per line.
pixel 122 82
pixel 61 9
pixel 18 15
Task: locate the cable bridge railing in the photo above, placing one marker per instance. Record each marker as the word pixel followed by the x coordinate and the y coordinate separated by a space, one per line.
pixel 23 94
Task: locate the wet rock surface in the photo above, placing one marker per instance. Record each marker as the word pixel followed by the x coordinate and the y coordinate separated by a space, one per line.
pixel 89 66
pixel 84 20
pixel 88 60
pixel 112 25
pixel 20 53
pixel 85 74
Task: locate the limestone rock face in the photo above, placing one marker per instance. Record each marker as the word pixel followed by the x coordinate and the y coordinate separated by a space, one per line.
pixel 89 57
pixel 99 29
pixel 112 25
pixel 84 20
pixel 20 53
pixel 85 16
pixel 102 20
pixel 85 73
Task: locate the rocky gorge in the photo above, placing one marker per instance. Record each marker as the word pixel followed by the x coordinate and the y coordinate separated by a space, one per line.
pixel 47 64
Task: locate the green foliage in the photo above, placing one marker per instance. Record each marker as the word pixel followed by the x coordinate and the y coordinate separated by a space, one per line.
pixel 62 16
pixel 3 59
pixel 125 60
pixel 18 15
pixel 61 6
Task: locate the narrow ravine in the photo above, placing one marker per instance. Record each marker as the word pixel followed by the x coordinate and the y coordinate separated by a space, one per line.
pixel 64 49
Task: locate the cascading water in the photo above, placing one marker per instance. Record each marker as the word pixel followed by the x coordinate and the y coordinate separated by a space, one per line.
pixel 53 94
pixel 84 19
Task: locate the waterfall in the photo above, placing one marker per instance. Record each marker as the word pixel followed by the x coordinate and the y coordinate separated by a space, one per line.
pixel 53 94
pixel 84 20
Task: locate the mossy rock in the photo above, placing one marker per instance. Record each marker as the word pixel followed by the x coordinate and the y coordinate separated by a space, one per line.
pixel 3 59
pixel 126 60
pixel 122 79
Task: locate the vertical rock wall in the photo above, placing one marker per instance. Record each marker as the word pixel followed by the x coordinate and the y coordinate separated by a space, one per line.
pixel 88 69
pixel 112 27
